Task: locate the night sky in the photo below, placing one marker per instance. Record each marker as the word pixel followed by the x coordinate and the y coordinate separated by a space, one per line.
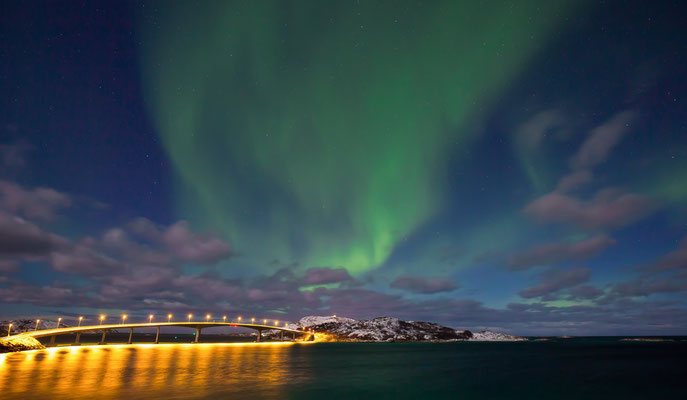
pixel 510 165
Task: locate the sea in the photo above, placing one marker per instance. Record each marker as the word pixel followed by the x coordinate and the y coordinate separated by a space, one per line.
pixel 554 368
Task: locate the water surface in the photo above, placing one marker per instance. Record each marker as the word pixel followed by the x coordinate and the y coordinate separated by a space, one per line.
pixel 558 369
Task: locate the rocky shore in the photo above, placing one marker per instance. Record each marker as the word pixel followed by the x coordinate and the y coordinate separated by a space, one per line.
pixel 19 343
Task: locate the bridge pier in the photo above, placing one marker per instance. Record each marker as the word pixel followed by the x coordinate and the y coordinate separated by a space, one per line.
pixel 102 338
pixel 131 336
pixel 52 341
pixel 157 336
pixel 197 335
pixel 259 334
pixel 77 342
pixel 281 335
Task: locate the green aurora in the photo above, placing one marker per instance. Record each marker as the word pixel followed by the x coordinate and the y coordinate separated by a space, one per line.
pixel 320 132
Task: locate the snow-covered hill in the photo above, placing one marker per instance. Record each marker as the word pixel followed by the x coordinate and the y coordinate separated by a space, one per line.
pixel 387 329
pixel 487 336
pixel 382 329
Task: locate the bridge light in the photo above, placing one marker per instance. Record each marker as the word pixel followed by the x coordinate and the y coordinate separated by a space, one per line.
pixel 123 318
pixel 264 322
pixel 224 318
pixel 169 317
pixel 207 318
pixel 37 321
pixel 189 317
pixel 276 323
pixel 58 322
pixel 80 318
pixel 252 320
pixel 150 319
pixel 239 318
pixel 9 329
pixel 102 317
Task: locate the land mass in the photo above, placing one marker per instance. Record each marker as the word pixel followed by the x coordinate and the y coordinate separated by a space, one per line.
pixel 388 329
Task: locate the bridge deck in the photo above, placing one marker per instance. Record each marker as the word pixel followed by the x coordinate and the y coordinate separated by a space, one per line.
pixel 194 325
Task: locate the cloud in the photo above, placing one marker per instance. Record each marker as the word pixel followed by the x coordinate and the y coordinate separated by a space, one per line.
pixel 601 140
pixel 39 203
pixel 22 238
pixel 647 287
pixel 83 260
pixel 675 260
pixel 574 180
pixel 179 241
pixel 321 276
pixel 531 134
pixel 609 209
pixel 667 274
pixel 193 247
pixel 556 253
pixel 556 280
pixel 144 228
pixel 13 155
pixel 423 285
pixel 9 266
pixel 584 292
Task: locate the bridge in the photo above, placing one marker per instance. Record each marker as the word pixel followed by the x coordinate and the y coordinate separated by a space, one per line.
pixel 198 326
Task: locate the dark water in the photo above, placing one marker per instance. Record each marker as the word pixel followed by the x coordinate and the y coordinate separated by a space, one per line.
pixel 561 369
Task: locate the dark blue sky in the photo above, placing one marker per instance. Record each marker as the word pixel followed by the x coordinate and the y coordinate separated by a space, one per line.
pixel 520 167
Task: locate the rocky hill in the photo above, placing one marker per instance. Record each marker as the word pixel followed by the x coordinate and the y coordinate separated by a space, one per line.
pixel 487 336
pixel 387 329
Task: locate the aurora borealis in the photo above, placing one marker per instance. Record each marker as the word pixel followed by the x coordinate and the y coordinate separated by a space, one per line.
pixel 328 149
pixel 513 165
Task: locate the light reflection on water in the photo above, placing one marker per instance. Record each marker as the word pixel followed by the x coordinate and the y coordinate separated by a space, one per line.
pixel 144 371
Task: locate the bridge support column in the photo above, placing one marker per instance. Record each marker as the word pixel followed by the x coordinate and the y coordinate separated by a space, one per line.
pixel 131 336
pixel 77 342
pixel 259 335
pixel 52 340
pixel 102 338
pixel 157 336
pixel 197 335
pixel 281 336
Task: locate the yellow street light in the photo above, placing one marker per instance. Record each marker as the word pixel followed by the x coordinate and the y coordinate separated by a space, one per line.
pixel 123 318
pixel 207 318
pixel 80 318
pixel 276 323
pixel 58 322
pixel 224 318
pixel 150 319
pixel 264 322
pixel 334 315
pixel 169 317
pixel 189 317
pixel 37 321
pixel 9 329
pixel 252 320
pixel 102 317
pixel 239 318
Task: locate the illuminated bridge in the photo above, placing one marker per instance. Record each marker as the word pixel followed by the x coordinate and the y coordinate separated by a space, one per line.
pixel 198 326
